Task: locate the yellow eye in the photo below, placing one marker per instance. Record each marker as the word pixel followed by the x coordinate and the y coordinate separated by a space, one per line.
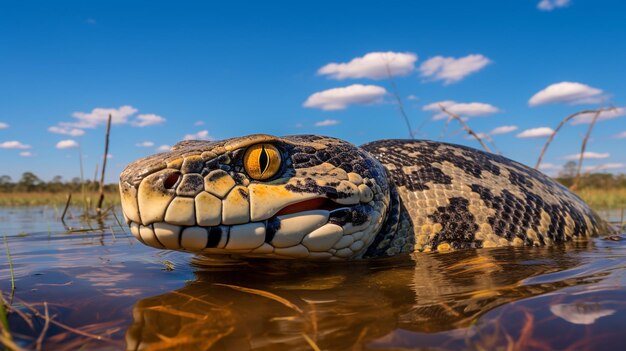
pixel 262 161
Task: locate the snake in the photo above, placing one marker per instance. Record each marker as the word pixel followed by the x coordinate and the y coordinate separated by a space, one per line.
pixel 313 197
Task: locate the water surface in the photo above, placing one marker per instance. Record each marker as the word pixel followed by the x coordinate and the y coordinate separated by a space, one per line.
pixel 105 283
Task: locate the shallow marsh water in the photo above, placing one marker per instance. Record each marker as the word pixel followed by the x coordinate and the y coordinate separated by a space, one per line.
pixel 134 297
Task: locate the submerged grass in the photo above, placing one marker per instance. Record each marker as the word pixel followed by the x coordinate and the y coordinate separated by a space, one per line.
pixel 4 322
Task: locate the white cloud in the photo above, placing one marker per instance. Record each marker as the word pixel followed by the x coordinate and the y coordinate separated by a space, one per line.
pixel 586 118
pixel 99 116
pixel 536 132
pixel 571 93
pixel 66 144
pixel 549 5
pixel 452 70
pixel 14 144
pixel 621 135
pixel 327 123
pixel 147 120
pixel 201 135
pixel 469 109
pixel 604 167
pixel 26 154
pixel 589 155
pixel 374 65
pixel 66 131
pixel 412 97
pixel 164 148
pixel 3 125
pixel 198 123
pixel 341 98
pixel 503 130
pixel 145 144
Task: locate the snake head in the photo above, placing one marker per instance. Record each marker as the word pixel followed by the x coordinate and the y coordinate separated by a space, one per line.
pixel 308 197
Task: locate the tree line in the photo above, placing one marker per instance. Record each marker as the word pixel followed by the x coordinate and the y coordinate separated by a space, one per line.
pixel 590 180
pixel 29 182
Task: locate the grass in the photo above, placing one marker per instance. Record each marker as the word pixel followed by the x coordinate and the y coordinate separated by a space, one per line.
pixel 4 321
pixel 604 198
pixel 15 199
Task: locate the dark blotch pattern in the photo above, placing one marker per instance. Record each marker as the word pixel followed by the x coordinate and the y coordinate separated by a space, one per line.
pixel 415 166
pixel 272 226
pixel 215 235
pixel 425 154
pixel 191 185
pixel 459 225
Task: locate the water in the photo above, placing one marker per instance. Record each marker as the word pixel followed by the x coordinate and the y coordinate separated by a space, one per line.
pixel 105 283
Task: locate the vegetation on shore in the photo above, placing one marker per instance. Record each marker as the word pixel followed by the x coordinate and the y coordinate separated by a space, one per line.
pixel 600 190
pixel 30 190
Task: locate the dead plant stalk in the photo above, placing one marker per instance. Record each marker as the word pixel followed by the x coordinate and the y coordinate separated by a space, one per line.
pixel 396 94
pixel 466 127
pixel 561 124
pixel 104 166
pixel 583 146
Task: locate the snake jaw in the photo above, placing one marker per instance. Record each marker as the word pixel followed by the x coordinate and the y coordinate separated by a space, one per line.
pixel 203 202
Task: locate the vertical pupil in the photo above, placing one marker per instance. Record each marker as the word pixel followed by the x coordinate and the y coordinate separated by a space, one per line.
pixel 264 161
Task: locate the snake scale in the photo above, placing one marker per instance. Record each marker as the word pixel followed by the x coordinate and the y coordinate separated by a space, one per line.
pixel 321 198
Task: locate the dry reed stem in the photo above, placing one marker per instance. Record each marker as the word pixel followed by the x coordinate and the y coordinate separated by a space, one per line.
pixel 36 313
pixel 466 127
pixel 311 342
pixel 95 174
pixel 399 100
pixel 104 165
pixel 22 315
pixel 118 221
pixel 265 294
pixel 67 205
pixel 82 183
pixel 10 344
pixel 582 151
pixel 526 333
pixel 357 343
pixel 5 333
pixel 561 124
pixel 45 328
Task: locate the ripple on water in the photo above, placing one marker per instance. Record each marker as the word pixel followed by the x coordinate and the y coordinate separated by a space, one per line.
pixel 108 284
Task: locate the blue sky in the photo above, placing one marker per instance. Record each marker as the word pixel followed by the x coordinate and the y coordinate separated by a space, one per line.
pixel 218 70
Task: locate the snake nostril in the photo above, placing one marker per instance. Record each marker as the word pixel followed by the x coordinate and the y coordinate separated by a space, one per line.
pixel 171 180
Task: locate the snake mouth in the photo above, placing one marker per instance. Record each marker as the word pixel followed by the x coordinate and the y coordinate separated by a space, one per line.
pixel 309 205
pixel 317 229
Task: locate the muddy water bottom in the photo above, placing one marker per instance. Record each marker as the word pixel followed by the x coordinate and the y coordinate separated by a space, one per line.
pixel 104 283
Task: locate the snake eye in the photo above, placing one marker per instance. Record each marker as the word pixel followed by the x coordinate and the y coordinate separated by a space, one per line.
pixel 262 161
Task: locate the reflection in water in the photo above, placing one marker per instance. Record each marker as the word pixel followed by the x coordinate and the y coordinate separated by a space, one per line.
pixel 581 313
pixel 263 305
pixel 103 283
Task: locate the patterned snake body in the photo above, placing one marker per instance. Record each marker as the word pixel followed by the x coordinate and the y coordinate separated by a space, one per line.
pixel 321 198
